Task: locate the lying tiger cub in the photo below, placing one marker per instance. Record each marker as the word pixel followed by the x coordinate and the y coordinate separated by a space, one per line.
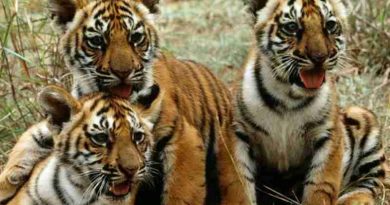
pixel 102 152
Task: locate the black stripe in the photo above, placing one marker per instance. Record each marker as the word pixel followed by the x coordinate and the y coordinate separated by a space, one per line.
pixel 304 104
pixel 124 9
pixel 213 194
pixel 147 100
pixel 367 131
pixel 56 184
pixel 153 194
pixel 370 188
pixel 99 13
pixel 243 137
pixel 367 167
pixel 77 44
pixel 271 102
pixel 250 179
pixel 269 45
pixel 79 91
pixel 363 178
pixel 103 110
pixel 291 2
pixel 45 142
pixel 29 194
pixel 94 104
pixel 39 199
pixel 205 104
pixel 74 183
pixel 66 148
pixel 351 122
pixel 351 139
pixel 78 141
pixel 379 174
pixel 247 117
pixel 321 142
pixel 220 89
pixel 371 151
pixel 311 125
pixel 6 200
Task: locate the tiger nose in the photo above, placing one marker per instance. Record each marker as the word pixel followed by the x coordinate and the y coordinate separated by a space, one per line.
pixel 122 74
pixel 318 58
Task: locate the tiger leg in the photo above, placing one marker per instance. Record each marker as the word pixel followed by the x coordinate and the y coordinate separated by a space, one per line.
pixel 365 163
pixel 35 144
pixel 236 167
pixel 323 180
pixel 357 197
pixel 184 167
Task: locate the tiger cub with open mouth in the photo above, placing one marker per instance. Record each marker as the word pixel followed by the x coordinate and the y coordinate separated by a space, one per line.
pixel 101 154
pixel 113 47
pixel 297 145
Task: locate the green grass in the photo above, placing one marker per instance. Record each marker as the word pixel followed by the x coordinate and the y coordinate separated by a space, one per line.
pixel 216 33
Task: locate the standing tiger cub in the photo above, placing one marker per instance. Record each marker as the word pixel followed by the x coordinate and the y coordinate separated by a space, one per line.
pixel 102 152
pixel 298 146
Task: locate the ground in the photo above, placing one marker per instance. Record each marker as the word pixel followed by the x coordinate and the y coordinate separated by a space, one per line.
pixel 216 33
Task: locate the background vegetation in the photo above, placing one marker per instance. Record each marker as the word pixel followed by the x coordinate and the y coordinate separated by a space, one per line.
pixel 214 32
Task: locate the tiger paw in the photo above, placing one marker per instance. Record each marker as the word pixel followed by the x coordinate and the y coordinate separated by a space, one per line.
pixel 358 198
pixel 319 197
pixel 10 181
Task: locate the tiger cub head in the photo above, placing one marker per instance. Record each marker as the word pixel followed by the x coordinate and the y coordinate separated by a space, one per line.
pixel 108 45
pixel 301 39
pixel 102 140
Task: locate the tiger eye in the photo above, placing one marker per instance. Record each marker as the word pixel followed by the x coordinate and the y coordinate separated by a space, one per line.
pixel 291 27
pixel 100 139
pixel 136 37
pixel 138 137
pixel 96 41
pixel 331 26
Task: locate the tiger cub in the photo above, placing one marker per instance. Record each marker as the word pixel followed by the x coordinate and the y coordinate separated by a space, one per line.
pixel 101 154
pixel 297 145
pixel 113 47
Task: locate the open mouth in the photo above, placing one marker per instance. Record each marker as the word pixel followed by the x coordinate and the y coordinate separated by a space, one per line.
pixel 121 90
pixel 310 79
pixel 119 190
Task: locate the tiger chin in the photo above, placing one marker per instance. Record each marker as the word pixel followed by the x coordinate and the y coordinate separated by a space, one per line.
pixel 298 145
pixel 101 154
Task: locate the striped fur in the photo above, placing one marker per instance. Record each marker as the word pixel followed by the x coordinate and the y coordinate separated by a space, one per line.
pixel 103 147
pixel 112 46
pixel 36 143
pixel 299 146
pixel 109 44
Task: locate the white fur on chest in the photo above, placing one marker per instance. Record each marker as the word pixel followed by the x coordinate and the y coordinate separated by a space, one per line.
pixel 285 146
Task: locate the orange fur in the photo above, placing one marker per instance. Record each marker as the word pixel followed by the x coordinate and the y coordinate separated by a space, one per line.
pixel 191 116
pixel 300 143
pixel 119 157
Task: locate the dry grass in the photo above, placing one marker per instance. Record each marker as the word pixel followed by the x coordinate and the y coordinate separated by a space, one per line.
pixel 213 32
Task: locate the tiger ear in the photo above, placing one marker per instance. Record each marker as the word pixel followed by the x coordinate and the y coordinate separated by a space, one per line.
pixel 63 11
pixel 151 5
pixel 58 104
pixel 255 5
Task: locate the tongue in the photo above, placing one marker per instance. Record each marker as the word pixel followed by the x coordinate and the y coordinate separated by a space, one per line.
pixel 120 189
pixel 123 91
pixel 312 79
